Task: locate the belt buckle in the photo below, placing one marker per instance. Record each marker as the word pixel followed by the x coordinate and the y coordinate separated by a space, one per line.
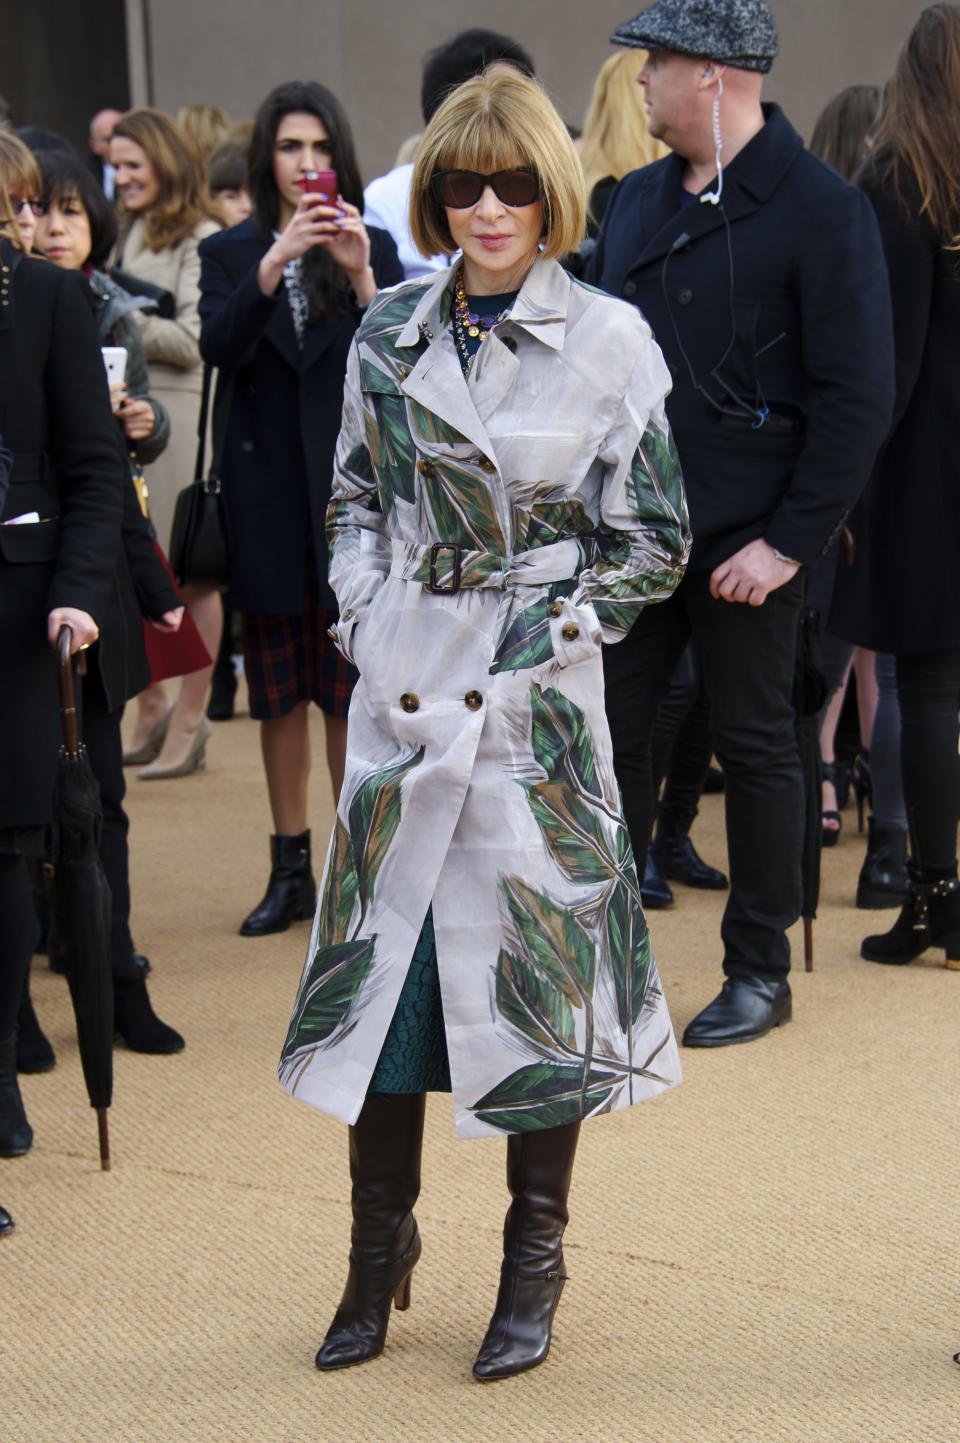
pixel 434 585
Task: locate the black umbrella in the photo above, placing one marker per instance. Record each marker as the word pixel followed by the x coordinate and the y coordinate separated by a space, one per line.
pixel 809 695
pixel 81 900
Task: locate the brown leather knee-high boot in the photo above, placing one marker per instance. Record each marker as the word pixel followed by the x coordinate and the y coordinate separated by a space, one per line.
pixel 385 1144
pixel 539 1169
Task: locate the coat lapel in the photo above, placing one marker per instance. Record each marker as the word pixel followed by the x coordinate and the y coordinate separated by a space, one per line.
pixel 437 381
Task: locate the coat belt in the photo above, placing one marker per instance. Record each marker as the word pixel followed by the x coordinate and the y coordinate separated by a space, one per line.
pixel 446 568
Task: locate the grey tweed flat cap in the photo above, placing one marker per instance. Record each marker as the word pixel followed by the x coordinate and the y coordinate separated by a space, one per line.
pixel 740 33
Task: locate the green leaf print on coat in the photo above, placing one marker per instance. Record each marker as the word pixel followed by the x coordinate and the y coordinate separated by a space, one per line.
pixel 392 450
pixel 374 815
pixel 531 1003
pixel 655 470
pixel 526 642
pixel 340 890
pixel 550 521
pixel 627 945
pixel 573 832
pixel 563 1094
pixel 328 993
pixel 432 428
pixel 462 507
pixel 561 740
pixel 551 939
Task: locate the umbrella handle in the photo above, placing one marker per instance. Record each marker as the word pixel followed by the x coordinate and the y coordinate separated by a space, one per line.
pixel 65 687
pixel 104 1133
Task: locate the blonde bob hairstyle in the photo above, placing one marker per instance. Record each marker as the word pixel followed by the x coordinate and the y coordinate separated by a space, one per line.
pixel 496 121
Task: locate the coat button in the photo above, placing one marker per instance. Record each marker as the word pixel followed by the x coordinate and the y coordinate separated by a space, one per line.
pixel 629 288
pixel 426 468
pixel 570 632
pixel 246 447
pixel 410 702
pixel 332 633
pixel 555 608
pixel 348 614
pixel 473 700
pixel 685 296
pixel 487 465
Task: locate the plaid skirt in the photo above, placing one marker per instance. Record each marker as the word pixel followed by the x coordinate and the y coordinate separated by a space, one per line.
pixel 290 659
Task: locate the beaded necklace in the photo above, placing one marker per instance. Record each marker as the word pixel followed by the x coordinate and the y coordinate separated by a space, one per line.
pixel 472 324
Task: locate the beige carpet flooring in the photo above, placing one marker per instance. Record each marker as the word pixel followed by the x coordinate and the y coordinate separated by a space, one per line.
pixel 768 1254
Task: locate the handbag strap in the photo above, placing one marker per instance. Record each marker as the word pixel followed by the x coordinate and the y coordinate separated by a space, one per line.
pixel 221 417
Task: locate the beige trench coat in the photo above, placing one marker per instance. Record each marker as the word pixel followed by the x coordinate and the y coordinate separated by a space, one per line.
pixel 474 598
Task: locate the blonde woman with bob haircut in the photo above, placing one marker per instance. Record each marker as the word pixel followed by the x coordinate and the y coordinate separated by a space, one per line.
pixel 615 138
pixel 20 175
pixel 163 219
pixel 505 499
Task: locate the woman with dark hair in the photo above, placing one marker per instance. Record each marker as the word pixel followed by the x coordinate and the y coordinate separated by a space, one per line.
pixel 842 135
pixel 281 297
pixel 163 218
pixel 902 594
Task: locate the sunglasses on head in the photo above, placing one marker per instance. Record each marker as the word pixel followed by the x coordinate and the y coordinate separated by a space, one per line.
pixel 461 189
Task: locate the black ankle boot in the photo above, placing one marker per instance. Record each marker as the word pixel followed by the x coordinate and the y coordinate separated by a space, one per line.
pixel 539 1169
pixel 34 1053
pixel 136 1021
pixel 677 859
pixel 291 891
pixel 883 876
pixel 930 917
pixel 16 1134
pixel 385 1144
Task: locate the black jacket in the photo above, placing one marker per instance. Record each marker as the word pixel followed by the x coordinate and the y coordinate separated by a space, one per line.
pixel 775 303
pixel 903 592
pixel 55 417
pixel 284 417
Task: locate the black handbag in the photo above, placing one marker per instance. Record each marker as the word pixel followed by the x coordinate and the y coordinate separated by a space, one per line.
pixel 200 535
pixel 164 300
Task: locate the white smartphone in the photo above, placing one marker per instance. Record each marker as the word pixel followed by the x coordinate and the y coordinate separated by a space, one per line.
pixel 115 360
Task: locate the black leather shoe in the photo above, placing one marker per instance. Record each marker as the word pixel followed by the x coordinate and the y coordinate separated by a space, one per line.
pixel 677 859
pixel 7 1224
pixel 654 892
pixel 747 1007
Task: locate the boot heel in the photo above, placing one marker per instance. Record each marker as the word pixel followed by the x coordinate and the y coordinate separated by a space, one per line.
pixel 401 1298
pixel 951 947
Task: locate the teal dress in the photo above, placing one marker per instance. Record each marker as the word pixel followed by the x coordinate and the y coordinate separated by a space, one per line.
pixel 414 1054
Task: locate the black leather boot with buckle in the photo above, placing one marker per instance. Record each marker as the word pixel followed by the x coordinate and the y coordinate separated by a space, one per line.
pixel 385 1144
pixel 539 1169
pixel 930 917
pixel 291 891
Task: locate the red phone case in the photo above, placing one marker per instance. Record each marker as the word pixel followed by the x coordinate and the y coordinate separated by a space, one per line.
pixel 321 182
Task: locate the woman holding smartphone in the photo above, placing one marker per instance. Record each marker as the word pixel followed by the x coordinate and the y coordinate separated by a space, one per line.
pixel 281 297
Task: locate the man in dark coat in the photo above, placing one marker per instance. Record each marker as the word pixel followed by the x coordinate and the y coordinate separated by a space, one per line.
pixel 762 275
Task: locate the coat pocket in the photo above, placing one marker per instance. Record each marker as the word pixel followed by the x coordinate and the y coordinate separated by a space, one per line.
pixel 32 543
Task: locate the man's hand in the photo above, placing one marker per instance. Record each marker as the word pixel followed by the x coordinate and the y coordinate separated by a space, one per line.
pixel 751 573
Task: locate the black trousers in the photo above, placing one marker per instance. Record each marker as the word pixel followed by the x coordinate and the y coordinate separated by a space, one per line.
pixel 680 744
pixel 928 685
pixel 746 655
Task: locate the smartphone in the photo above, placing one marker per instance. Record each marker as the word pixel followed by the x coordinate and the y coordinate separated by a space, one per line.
pixel 320 182
pixel 115 360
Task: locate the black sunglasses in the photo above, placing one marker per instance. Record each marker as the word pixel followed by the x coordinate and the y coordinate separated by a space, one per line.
pixel 39 207
pixel 461 189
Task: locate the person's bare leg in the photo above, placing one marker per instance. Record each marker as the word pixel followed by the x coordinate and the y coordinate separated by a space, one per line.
pixel 206 608
pixel 285 744
pixel 828 736
pixel 152 706
pixel 335 728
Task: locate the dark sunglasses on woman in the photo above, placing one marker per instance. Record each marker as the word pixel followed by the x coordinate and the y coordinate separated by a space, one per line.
pixel 37 206
pixel 461 189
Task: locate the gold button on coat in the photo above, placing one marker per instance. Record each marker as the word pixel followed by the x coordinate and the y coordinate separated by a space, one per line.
pixel 555 608
pixel 410 702
pixel 473 700
pixel 570 632
pixel 426 468
pixel 486 464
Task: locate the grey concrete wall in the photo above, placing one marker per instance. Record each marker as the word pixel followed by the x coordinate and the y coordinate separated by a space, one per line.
pixel 369 52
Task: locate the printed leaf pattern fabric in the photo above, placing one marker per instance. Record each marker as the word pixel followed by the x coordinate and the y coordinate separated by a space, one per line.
pixel 479 780
pixel 547 970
